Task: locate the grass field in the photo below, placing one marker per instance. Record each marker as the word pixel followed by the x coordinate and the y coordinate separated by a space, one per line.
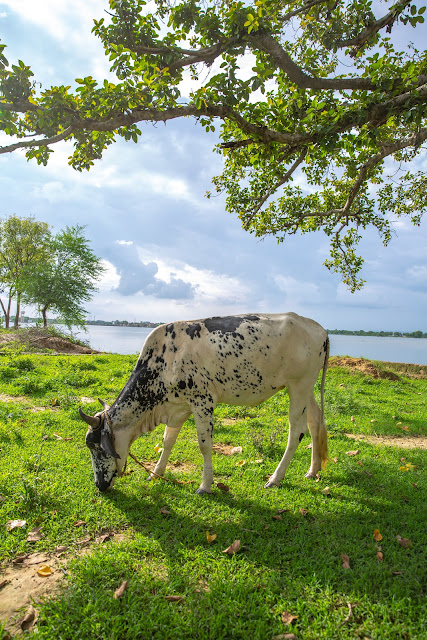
pixel 289 575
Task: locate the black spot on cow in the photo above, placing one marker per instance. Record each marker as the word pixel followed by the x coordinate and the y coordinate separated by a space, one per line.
pixel 303 411
pixel 227 324
pixel 182 384
pixel 193 330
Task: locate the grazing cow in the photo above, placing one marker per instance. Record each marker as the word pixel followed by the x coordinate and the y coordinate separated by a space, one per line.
pixel 188 367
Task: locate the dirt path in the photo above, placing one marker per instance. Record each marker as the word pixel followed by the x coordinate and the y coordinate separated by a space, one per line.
pixel 406 442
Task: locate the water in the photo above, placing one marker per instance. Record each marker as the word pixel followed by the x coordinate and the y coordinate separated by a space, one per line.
pixel 129 340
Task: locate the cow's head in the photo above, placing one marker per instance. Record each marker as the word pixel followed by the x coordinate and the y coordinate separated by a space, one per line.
pixel 100 442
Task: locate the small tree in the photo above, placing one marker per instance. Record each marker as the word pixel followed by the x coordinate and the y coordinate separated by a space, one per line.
pixel 67 279
pixel 24 242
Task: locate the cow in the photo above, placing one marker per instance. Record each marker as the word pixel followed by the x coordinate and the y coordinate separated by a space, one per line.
pixel 188 367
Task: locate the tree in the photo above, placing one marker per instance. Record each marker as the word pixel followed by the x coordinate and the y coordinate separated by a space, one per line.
pixel 63 282
pixel 330 98
pixel 24 242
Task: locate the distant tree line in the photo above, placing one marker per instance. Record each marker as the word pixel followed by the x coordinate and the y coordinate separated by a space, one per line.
pixel 381 334
pixel 53 272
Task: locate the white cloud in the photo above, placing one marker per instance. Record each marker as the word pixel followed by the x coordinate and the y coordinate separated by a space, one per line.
pixel 297 293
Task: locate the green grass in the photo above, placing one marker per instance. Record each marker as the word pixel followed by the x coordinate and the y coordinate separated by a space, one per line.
pixel 290 564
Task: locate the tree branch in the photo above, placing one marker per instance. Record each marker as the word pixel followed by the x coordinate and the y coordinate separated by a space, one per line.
pixel 43 142
pixel 358 41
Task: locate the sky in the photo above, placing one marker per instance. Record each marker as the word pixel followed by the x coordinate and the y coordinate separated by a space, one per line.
pixel 170 253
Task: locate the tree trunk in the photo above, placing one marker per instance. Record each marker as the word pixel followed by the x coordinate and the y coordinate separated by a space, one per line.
pixel 18 310
pixel 44 314
pixel 6 314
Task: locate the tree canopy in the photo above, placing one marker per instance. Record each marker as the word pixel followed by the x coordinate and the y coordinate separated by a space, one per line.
pixel 322 111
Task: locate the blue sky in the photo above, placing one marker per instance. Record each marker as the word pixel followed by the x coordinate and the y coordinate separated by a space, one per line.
pixel 170 253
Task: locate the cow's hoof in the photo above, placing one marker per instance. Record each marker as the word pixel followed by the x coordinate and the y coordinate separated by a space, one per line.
pixel 310 475
pixel 270 485
pixel 200 492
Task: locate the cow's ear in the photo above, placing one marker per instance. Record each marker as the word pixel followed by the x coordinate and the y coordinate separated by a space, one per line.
pixel 107 445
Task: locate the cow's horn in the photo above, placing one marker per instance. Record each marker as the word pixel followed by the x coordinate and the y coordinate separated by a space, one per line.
pixel 93 421
pixel 104 404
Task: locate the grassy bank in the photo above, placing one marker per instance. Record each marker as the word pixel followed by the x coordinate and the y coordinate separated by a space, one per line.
pixel 288 575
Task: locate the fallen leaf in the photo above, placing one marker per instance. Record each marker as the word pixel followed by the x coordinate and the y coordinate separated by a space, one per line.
pixel 35 558
pixel 380 556
pixel 19 559
pixel 288 618
pixel 397 573
pixel 404 427
pixel 165 511
pixel 29 619
pixel 120 591
pixel 35 535
pixel 360 462
pixel 44 571
pixel 57 436
pixel 79 523
pixel 335 460
pixel 233 548
pixel 404 542
pixel 236 450
pixel 3 583
pixel 158 448
pixel 285 636
pixel 174 598
pixel 377 535
pixel 54 402
pixel 277 517
pixel 279 511
pixel 15 524
pixel 240 463
pixel 326 491
pixel 345 561
pixel 353 453
pixel 374 421
pixel 84 541
pixel 260 461
pixel 61 549
pixel 352 418
pixel 368 473
pixel 309 446
pixel 223 487
pixel 210 538
pixel 104 538
pixel 303 511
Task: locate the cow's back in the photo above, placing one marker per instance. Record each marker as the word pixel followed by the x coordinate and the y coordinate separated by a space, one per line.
pixel 237 359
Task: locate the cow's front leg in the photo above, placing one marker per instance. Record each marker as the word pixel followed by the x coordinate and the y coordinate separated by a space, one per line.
pixel 203 416
pixel 169 438
pixel 298 402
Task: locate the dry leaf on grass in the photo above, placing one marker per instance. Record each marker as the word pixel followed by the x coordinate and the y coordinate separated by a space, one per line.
pixel 79 523
pixel 240 463
pixel 404 542
pixel 233 548
pixel 210 538
pixel 235 450
pixel 345 561
pixel 15 524
pixel 353 453
pixel 165 511
pixel 61 548
pixel 174 598
pixel 380 556
pixel 326 491
pixel 285 636
pixel 303 511
pixel 120 591
pixel 35 535
pixel 279 511
pixel 288 618
pixel 29 619
pixel 377 535
pixel 223 487
pixel 44 571
pixel 277 517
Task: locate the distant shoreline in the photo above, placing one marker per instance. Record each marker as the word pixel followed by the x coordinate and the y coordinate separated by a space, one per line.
pixel 152 325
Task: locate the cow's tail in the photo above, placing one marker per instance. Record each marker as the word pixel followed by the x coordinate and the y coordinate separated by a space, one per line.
pixel 323 436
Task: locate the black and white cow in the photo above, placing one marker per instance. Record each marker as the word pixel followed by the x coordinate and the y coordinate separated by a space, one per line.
pixel 187 367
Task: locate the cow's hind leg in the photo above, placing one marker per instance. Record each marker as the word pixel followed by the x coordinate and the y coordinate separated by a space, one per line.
pixel 319 449
pixel 169 438
pixel 203 416
pixel 299 397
